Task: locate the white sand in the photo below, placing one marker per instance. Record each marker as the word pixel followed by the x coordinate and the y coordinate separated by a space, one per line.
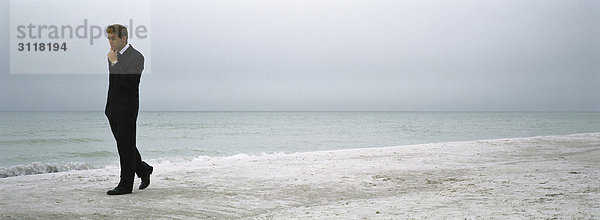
pixel 553 176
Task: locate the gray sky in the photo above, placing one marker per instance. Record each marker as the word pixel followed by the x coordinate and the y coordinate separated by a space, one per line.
pixel 347 55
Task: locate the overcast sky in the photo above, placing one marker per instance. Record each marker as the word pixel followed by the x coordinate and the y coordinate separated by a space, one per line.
pixel 347 55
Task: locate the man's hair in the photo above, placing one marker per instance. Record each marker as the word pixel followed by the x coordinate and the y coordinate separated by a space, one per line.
pixel 119 30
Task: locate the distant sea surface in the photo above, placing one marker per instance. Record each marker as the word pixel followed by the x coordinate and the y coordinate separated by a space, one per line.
pixel 42 142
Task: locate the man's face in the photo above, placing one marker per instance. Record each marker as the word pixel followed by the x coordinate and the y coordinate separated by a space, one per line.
pixel 116 42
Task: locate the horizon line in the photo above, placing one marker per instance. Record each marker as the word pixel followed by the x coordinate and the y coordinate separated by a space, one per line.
pixel 311 111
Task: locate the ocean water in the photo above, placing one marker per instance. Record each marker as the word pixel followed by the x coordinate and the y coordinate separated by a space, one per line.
pixel 42 142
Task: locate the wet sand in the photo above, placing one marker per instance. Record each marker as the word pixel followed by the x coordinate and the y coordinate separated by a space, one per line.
pixel 545 177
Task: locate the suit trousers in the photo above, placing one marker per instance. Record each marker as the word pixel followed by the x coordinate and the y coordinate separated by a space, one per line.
pixel 129 156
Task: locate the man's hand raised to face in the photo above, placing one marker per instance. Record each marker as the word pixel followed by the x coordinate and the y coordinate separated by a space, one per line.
pixel 112 56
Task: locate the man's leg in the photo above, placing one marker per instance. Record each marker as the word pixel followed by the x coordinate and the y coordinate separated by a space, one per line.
pixel 140 166
pixel 142 169
pixel 127 152
pixel 113 127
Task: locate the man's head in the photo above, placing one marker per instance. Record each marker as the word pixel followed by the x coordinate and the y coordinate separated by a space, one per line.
pixel 117 36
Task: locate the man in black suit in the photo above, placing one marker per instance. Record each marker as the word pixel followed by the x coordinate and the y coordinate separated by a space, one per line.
pixel 125 66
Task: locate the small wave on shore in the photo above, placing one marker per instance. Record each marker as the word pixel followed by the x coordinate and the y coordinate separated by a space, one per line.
pixel 39 168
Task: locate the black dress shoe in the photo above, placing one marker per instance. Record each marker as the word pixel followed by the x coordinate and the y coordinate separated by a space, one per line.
pixel 118 191
pixel 146 179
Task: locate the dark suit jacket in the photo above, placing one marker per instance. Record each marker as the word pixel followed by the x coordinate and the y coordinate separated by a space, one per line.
pixel 122 103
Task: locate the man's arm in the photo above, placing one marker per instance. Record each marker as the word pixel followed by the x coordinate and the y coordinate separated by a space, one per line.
pixel 128 75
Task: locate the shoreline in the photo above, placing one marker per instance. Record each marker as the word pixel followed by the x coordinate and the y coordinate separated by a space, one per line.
pixel 541 176
pixel 37 168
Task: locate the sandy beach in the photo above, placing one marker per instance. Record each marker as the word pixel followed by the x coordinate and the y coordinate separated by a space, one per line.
pixel 535 177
